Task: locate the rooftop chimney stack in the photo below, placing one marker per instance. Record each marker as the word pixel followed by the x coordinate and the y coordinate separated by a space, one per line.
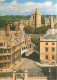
pixel 7 30
pixel 16 29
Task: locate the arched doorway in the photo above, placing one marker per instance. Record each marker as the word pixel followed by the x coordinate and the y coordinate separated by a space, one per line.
pixel 23 55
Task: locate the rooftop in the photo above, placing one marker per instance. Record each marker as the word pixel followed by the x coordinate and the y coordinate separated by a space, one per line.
pixel 51 36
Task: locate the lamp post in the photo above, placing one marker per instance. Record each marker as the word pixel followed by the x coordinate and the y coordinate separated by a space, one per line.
pixel 50 75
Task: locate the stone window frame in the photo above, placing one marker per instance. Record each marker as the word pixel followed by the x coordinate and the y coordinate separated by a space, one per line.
pixel 46 43
pixel 46 49
pixel 53 49
pixel 46 57
pixel 53 43
pixel 53 57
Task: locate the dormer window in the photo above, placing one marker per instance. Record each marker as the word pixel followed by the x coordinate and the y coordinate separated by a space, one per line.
pixel 1 44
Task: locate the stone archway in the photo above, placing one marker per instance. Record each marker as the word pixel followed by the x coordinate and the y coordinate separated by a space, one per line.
pixel 23 55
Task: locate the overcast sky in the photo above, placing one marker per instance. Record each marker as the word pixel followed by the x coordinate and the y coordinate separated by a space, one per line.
pixel 25 7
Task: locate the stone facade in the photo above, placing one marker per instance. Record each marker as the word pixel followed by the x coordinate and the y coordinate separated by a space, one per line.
pixel 34 21
pixel 12 45
pixel 25 22
pixel 48 47
pixel 47 22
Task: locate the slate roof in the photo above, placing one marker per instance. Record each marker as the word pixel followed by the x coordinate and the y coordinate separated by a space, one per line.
pixel 12 39
pixel 51 36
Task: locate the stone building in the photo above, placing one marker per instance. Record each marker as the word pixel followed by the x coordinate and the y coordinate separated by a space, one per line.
pixel 12 45
pixel 16 23
pixel 47 22
pixel 48 45
pixel 35 20
pixel 25 22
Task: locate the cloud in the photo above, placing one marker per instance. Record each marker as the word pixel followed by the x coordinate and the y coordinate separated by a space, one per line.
pixel 2 0
pixel 15 8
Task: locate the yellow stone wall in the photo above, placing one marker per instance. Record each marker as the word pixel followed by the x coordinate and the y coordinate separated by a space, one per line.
pixel 43 53
pixel 35 20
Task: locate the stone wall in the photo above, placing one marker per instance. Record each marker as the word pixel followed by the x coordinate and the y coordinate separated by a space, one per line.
pixel 6 78
pixel 36 78
pixel 36 35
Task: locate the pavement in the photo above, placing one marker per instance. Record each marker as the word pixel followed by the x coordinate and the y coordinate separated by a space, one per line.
pixel 28 64
pixel 16 66
pixel 44 65
pixel 25 63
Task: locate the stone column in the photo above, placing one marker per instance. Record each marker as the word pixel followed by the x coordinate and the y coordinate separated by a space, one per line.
pixel 26 74
pixel 14 75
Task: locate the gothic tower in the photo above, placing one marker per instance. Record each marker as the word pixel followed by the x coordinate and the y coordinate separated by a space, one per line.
pixel 52 24
pixel 38 18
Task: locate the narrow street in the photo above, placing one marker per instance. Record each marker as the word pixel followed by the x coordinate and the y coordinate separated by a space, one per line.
pixel 29 61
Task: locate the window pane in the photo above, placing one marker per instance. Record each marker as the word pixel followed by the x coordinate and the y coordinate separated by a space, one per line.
pixel 1 58
pixel 9 51
pixel 1 65
pixel 53 49
pixel 46 43
pixel 53 43
pixel 46 49
pixel 5 57
pixel 4 51
pixel 47 57
pixel 52 56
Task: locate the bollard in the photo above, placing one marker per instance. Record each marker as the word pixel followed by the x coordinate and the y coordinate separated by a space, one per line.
pixel 26 74
pixel 14 75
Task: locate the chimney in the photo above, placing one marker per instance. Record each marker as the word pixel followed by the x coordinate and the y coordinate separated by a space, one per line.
pixel 52 24
pixel 8 31
pixel 16 29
